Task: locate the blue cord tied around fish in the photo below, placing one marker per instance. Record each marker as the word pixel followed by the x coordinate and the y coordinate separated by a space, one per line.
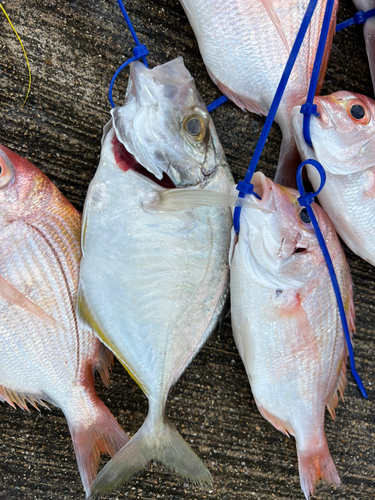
pixel 305 200
pixel 308 108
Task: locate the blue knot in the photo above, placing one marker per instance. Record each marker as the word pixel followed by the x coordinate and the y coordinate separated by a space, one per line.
pixel 306 199
pixel 140 51
pixel 247 188
pixel 359 17
pixel 309 109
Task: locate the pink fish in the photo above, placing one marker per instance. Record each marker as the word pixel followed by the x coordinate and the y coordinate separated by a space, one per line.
pixel 286 322
pixel 44 354
pixel 245 45
pixel 343 139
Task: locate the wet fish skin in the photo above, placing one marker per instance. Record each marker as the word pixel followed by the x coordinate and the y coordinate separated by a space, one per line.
pixel 286 323
pixel 153 284
pixel 49 358
pixel 245 56
pixel 345 146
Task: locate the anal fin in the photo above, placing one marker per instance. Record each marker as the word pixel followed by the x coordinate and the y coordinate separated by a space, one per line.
pixel 14 398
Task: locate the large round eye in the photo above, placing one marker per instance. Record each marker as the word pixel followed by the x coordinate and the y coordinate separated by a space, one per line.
pixel 6 171
pixel 195 127
pixel 358 111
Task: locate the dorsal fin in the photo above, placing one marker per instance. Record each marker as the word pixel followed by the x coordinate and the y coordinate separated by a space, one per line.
pixel 267 4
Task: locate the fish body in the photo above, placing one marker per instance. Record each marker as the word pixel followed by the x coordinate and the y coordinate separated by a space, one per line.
pixel 48 357
pixel 153 284
pixel 286 322
pixel 369 33
pixel 345 145
pixel 245 50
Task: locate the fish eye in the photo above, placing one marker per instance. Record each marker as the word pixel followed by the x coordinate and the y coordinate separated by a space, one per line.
pixel 195 127
pixel 357 111
pixel 6 172
pixel 304 216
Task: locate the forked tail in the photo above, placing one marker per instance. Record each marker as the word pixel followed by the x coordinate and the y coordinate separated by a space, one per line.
pixel 314 464
pixel 165 445
pixel 103 436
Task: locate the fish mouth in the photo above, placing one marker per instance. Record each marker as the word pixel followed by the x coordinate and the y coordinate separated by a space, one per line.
pixel 126 161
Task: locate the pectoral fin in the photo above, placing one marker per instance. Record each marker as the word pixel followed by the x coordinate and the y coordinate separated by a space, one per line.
pixel 15 297
pixel 267 4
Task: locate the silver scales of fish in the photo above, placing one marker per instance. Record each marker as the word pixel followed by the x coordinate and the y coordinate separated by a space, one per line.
pixel 245 45
pixel 285 319
pixel 44 354
pixel 343 140
pixel 153 284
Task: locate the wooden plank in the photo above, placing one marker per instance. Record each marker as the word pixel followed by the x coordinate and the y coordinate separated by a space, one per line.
pixel 74 49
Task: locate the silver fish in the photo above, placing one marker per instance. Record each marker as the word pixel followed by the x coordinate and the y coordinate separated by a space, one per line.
pixel 44 354
pixel 152 283
pixel 343 139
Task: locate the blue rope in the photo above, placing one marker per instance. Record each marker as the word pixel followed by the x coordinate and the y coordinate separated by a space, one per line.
pixel 309 108
pixel 140 52
pixel 272 112
pixel 359 18
pixel 305 200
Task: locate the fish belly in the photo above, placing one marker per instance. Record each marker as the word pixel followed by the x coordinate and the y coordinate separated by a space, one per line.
pixel 293 357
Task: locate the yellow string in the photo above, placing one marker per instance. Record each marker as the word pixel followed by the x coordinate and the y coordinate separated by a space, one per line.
pixel 24 51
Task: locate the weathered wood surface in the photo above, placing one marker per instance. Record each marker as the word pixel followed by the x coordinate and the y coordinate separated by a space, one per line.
pixel 74 49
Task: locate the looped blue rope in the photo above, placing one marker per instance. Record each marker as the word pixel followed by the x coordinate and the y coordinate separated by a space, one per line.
pixel 275 104
pixel 140 52
pixel 305 200
pixel 316 70
pixel 359 18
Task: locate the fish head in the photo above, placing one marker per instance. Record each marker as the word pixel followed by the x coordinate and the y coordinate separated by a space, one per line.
pixel 277 236
pixel 165 125
pixel 24 189
pixel 343 135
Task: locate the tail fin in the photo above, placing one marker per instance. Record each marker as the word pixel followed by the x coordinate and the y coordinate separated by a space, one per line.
pixel 314 464
pixel 103 436
pixel 166 446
